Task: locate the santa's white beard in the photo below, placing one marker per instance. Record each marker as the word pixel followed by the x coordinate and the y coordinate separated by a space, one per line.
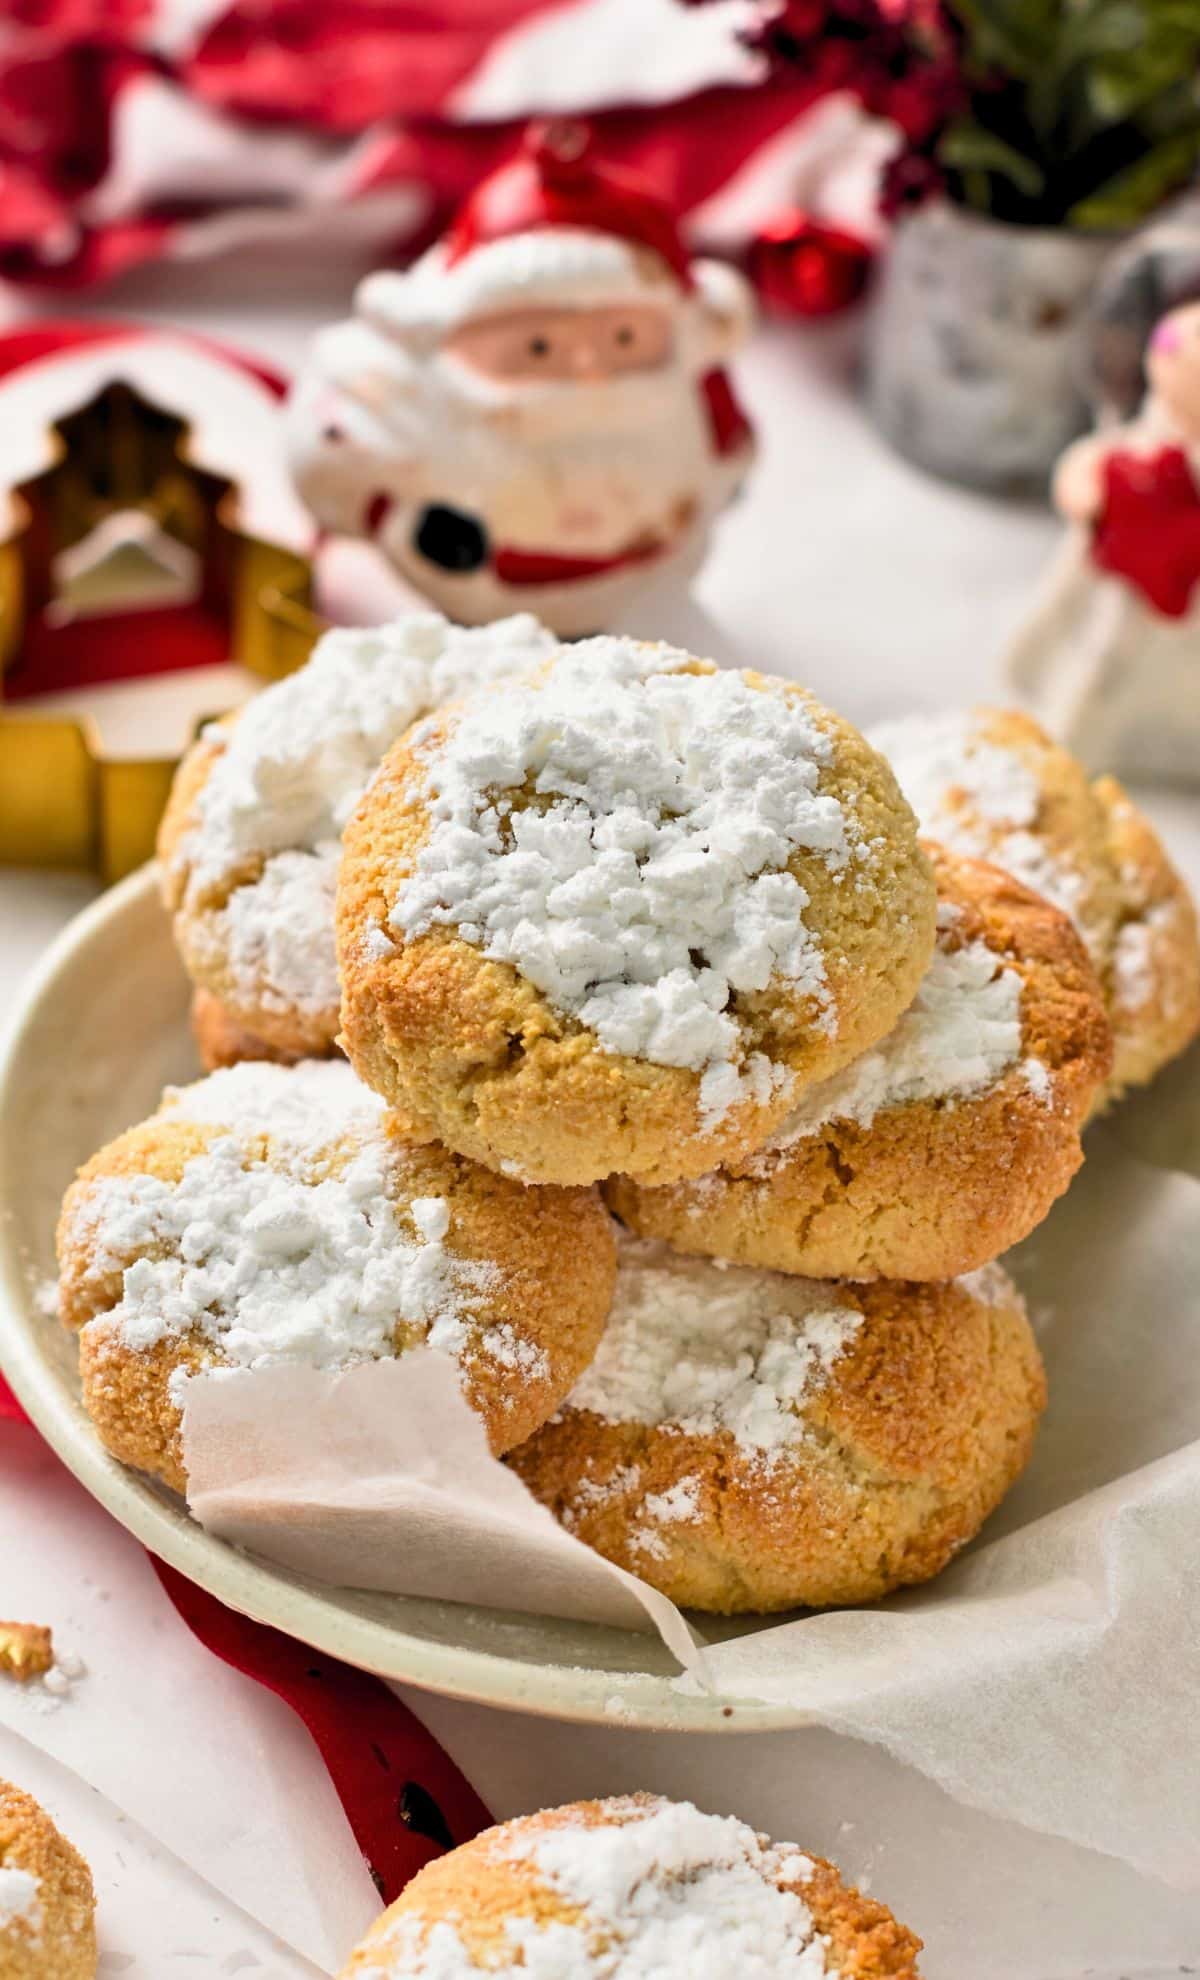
pixel 583 468
pixel 562 412
pixel 578 469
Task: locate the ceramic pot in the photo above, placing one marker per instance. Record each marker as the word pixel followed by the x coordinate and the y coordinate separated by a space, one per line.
pixel 975 353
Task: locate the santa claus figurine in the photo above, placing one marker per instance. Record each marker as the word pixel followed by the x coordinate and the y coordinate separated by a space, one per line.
pixel 535 416
pixel 1111 656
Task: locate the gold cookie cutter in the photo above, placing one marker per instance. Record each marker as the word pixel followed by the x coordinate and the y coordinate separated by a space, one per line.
pixel 64 800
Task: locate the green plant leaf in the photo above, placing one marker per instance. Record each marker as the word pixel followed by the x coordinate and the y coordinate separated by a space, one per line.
pixel 1115 29
pixel 1122 82
pixel 1064 93
pixel 1131 194
pixel 971 148
pixel 1016 36
pixel 1172 111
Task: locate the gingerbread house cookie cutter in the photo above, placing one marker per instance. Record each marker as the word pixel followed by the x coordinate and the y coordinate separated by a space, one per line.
pixel 116 422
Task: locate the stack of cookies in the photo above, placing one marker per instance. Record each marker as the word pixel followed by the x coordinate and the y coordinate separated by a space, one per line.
pixel 691 1093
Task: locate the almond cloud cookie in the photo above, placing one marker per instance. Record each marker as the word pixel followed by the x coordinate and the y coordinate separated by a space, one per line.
pixel 627 1889
pixel 990 783
pixel 250 840
pixel 47 1906
pixel 271 1214
pixel 748 1442
pixel 618 915
pixel 945 1143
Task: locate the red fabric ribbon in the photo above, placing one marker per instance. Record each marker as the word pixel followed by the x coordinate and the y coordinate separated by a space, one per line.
pixel 10 1408
pixel 377 82
pixel 1149 527
pixel 405 1800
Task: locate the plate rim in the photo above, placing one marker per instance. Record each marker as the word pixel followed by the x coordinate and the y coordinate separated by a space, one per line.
pixel 582 1694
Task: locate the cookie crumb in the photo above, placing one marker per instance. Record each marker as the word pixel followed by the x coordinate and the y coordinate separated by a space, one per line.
pixel 26 1650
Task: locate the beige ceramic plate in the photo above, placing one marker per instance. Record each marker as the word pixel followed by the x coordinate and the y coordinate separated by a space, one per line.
pixel 102 1028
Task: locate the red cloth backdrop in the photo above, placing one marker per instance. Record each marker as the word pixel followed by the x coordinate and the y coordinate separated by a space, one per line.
pixel 133 129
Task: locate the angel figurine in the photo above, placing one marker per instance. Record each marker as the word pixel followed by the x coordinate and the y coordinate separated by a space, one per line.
pixel 1110 659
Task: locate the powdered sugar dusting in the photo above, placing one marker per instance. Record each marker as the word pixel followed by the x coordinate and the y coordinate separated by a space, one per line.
pixel 703 1348
pixel 64 1674
pixel 284 1240
pixel 275 934
pixel 679 1505
pixel 959 1036
pixel 1135 971
pixel 294 765
pixel 657 1889
pixel 377 945
pixel 291 769
pixel 991 1286
pixel 20 1899
pixel 1037 1076
pixel 723 1084
pixel 978 797
pixel 1133 965
pixel 619 833
pixel 310 1104
pixel 935 754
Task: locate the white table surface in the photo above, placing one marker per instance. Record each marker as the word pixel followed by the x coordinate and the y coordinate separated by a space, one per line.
pixel 217 1843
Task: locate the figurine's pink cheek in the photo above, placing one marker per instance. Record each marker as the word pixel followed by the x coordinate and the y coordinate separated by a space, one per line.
pixel 1166 338
pixel 486 364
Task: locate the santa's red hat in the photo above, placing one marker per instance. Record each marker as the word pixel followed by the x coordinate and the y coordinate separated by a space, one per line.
pixel 554 224
pixel 557 181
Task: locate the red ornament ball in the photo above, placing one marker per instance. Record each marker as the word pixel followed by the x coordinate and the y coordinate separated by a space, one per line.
pixel 806 267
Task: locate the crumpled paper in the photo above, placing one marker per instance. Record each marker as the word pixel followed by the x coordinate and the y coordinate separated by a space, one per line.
pixel 1048 1676
pixel 382 1478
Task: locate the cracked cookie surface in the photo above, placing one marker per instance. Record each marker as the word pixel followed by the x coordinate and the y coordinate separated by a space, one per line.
pixel 271 1214
pixel 615 917
pixel 626 1889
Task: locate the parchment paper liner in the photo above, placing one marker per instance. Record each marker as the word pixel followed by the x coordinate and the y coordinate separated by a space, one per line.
pixel 1051 1675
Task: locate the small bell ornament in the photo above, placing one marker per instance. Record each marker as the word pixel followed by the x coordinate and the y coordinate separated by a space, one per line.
pixel 805 266
pixel 536 415
pixel 1110 659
